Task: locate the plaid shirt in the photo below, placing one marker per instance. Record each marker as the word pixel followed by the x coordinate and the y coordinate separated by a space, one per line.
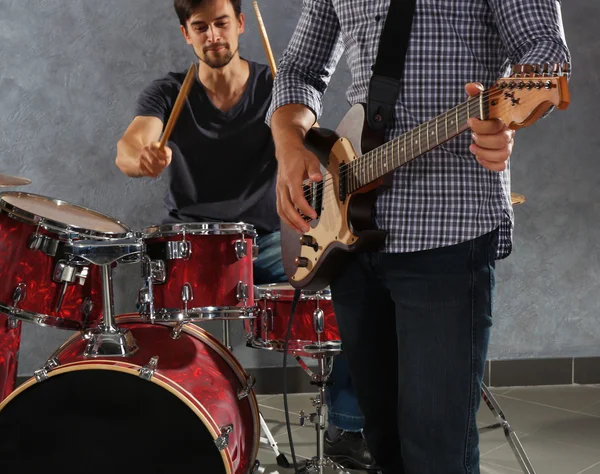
pixel 445 196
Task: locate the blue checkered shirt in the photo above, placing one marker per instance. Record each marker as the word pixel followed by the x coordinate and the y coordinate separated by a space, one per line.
pixel 445 196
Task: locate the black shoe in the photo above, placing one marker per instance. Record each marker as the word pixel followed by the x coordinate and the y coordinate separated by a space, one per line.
pixel 349 450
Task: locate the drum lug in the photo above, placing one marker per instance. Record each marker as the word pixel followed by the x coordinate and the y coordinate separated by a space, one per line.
pixel 42 374
pixel 244 392
pixel 19 294
pixel 179 250
pixel 176 332
pixel 318 321
pixel 86 309
pixel 267 320
pixel 242 291
pixel 12 322
pixel 254 251
pixel 148 370
pixel 155 270
pixel 241 249
pixel 44 244
pixel 223 441
pixel 256 467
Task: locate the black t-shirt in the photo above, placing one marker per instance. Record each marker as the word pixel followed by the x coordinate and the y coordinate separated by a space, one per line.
pixel 223 166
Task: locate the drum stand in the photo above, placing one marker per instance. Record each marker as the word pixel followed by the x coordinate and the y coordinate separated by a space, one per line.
pixel 269 440
pixel 107 340
pixel 320 379
pixel 510 435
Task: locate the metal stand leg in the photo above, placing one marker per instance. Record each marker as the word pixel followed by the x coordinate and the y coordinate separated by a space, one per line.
pixel 317 463
pixel 270 441
pixel 108 340
pixel 226 339
pixel 511 436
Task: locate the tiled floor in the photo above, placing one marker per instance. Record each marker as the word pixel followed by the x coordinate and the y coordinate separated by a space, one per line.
pixel 559 427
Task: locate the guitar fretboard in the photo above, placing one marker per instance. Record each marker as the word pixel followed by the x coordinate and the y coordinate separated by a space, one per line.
pixel 395 153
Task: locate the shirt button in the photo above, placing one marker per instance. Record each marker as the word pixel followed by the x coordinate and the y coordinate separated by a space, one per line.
pixel 377 18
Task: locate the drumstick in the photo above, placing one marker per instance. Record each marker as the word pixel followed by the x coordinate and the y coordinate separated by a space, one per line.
pixel 185 89
pixel 265 38
pixel 266 44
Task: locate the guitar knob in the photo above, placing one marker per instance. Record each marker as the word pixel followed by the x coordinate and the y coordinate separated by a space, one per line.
pixel 309 241
pixel 302 262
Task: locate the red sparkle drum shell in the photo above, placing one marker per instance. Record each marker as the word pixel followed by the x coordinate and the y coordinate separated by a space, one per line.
pixel 33 231
pixel 269 329
pixel 214 269
pixel 194 395
pixel 10 340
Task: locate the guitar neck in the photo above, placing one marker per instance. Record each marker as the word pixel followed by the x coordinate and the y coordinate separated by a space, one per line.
pixel 405 148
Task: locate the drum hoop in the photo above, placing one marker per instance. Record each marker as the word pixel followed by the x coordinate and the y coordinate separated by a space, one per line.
pixel 43 320
pixel 266 292
pixel 27 217
pixel 132 369
pixel 199 228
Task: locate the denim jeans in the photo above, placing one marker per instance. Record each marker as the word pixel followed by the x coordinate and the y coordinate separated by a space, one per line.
pixel 342 405
pixel 415 329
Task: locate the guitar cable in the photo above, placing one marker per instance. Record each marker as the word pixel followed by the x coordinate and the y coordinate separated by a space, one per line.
pixel 285 400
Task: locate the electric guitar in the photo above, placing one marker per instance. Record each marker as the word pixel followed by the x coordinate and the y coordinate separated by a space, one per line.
pixel 354 163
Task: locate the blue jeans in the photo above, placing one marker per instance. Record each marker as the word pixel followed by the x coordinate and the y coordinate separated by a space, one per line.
pixel 342 405
pixel 415 329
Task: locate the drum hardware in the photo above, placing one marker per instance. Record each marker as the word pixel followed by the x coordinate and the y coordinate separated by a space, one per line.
pixel 43 243
pixel 244 392
pixel 12 322
pixel 241 249
pixel 107 340
pixel 320 379
pixel 511 436
pixel 226 335
pixel 42 373
pixel 179 250
pixel 176 331
pixel 66 273
pixel 223 441
pixel 148 370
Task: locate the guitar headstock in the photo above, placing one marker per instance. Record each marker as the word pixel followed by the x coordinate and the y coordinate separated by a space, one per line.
pixel 531 90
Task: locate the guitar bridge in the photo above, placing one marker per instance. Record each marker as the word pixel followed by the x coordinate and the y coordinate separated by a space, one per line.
pixel 313 193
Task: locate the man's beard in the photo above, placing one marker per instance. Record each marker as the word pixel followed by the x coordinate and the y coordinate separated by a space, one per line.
pixel 219 61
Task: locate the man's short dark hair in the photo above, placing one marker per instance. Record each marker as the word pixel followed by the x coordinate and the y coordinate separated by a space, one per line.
pixel 185 9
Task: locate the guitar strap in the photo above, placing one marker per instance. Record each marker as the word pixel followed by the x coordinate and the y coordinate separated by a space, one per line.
pixel 384 86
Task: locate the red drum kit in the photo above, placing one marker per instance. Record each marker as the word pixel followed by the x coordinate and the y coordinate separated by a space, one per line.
pixel 175 394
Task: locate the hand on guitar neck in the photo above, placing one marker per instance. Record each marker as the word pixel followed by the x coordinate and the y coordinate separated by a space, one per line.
pixel 493 140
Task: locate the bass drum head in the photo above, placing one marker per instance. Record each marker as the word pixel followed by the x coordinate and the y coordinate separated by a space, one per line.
pixel 101 421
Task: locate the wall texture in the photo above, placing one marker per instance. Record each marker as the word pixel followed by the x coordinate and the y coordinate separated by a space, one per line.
pixel 69 75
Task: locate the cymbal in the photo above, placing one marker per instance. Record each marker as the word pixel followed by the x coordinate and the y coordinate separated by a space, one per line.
pixel 517 198
pixel 6 181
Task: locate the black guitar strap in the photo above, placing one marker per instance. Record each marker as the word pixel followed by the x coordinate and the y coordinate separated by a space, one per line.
pixel 384 86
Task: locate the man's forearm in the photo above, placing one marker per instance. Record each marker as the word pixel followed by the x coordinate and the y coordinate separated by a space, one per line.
pixel 127 160
pixel 289 125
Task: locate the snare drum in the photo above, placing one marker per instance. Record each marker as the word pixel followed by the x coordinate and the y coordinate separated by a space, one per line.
pixel 314 330
pixel 40 282
pixel 181 405
pixel 197 272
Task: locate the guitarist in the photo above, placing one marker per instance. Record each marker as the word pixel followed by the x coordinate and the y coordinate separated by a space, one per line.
pixel 415 317
pixel 221 164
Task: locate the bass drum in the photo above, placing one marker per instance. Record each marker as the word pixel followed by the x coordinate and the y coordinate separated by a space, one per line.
pixel 193 411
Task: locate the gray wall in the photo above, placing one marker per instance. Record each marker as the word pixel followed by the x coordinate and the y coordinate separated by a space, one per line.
pixel 69 74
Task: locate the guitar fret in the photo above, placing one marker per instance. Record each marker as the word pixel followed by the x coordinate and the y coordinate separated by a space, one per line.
pixel 457 120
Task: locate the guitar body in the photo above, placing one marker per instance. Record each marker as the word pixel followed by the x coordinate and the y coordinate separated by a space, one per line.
pixel 342 226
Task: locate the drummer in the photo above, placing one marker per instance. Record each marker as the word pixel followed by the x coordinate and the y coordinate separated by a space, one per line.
pixel 221 166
